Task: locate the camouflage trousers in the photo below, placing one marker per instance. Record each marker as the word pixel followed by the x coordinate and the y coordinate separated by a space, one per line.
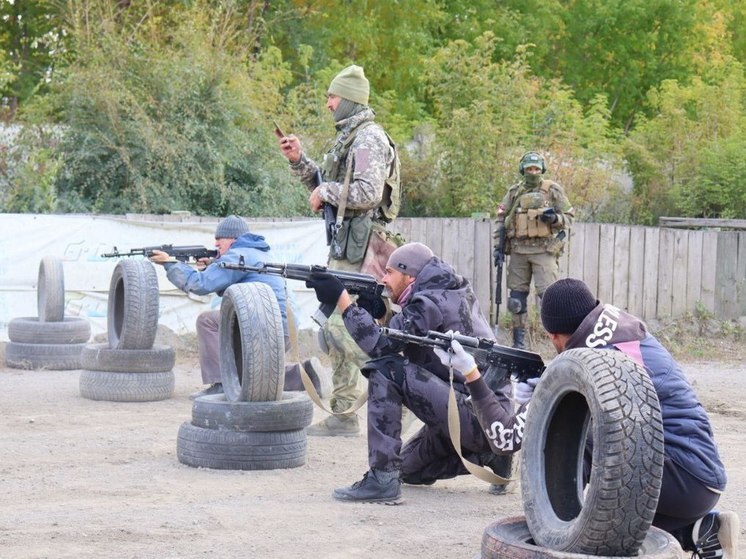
pixel 429 455
pixel 345 355
pixel 543 266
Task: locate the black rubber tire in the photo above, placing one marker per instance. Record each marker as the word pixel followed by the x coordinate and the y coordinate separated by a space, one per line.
pixel 235 450
pixel 50 290
pixel 132 318
pixel 31 330
pixel 294 411
pixel 126 387
pixel 509 538
pixel 252 344
pixel 100 357
pixel 55 357
pixel 607 396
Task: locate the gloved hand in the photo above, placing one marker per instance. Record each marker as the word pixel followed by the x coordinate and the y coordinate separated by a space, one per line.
pixel 374 305
pixel 327 287
pixel 549 216
pixel 524 390
pixel 456 358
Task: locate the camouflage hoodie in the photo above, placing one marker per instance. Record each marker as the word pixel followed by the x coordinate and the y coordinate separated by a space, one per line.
pixel 440 300
pixel 372 155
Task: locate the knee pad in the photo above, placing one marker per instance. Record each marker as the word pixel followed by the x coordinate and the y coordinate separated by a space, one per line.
pixel 518 302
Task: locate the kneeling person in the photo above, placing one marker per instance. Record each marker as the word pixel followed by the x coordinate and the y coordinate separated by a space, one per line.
pixel 432 297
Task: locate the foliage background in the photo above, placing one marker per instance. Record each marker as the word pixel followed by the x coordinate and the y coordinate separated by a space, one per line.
pixel 160 105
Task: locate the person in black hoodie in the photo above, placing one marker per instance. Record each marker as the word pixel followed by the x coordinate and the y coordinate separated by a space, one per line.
pixel 432 297
pixel 693 474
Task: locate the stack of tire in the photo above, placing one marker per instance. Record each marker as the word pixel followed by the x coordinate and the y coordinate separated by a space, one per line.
pixel 254 425
pixel 607 507
pixel 51 340
pixel 129 368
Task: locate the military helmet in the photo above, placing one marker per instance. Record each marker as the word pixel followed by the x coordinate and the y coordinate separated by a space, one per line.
pixel 532 159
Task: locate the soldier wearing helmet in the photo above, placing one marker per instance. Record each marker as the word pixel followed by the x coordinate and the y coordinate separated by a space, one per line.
pixel 535 215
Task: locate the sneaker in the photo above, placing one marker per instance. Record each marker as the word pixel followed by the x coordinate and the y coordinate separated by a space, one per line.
pixel 216 388
pixel 715 535
pixel 335 426
pixel 377 486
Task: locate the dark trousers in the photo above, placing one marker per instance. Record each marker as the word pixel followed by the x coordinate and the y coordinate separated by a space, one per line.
pixel 684 499
pixel 429 454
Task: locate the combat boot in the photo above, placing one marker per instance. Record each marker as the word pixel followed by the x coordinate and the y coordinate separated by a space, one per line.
pixel 377 486
pixel 518 338
pixel 335 426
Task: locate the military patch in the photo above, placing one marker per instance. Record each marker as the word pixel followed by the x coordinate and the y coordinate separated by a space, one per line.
pixel 362 160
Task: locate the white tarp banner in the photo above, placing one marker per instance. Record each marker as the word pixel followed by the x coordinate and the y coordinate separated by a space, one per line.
pixel 80 240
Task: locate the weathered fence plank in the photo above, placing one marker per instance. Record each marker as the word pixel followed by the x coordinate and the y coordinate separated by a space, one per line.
pixel 635 288
pixel 693 270
pixel 650 277
pixel 679 278
pixel 709 269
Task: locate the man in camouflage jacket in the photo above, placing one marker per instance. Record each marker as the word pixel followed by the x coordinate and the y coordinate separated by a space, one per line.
pixel 363 148
pixel 432 297
pixel 535 216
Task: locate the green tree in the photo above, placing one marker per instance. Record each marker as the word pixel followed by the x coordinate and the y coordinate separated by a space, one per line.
pixel 165 113
pixel 687 158
pixel 491 113
pixel 32 40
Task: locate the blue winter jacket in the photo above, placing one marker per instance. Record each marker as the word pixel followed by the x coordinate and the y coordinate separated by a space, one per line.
pixel 215 279
pixel 687 434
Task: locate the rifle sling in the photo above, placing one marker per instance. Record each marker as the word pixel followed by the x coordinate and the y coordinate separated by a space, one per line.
pixel 454 430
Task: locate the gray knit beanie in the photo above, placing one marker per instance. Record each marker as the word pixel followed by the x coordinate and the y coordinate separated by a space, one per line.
pixel 410 258
pixel 351 84
pixel 565 304
pixel 231 227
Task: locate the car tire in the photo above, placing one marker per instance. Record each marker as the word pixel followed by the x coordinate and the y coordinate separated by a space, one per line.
pixel 56 357
pixel 100 357
pixel 235 450
pixel 126 387
pixel 132 318
pixel 252 344
pixel 32 330
pixel 50 290
pixel 604 396
pixel 509 538
pixel 294 411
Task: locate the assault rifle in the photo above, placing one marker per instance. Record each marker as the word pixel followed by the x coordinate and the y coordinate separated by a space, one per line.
pixel 329 213
pixel 180 253
pixel 500 361
pixel 354 283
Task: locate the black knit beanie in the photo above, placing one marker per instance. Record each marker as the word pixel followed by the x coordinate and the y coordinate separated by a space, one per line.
pixel 565 304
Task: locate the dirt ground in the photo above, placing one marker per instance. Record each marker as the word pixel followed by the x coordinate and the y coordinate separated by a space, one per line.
pixel 82 478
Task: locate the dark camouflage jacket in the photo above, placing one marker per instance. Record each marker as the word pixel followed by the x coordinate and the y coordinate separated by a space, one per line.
pixel 441 300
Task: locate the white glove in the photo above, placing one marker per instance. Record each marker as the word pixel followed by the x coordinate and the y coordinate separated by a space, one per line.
pixel 524 390
pixel 456 358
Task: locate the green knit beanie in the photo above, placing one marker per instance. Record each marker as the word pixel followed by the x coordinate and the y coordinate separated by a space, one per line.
pixel 351 84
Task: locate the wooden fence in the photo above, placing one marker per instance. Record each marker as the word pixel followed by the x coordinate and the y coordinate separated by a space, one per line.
pixel 651 272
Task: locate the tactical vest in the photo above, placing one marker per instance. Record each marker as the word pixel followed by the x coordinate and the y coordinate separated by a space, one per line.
pixel 334 167
pixel 522 221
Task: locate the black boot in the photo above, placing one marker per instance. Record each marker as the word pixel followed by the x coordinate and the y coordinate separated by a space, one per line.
pixel 518 338
pixel 377 486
